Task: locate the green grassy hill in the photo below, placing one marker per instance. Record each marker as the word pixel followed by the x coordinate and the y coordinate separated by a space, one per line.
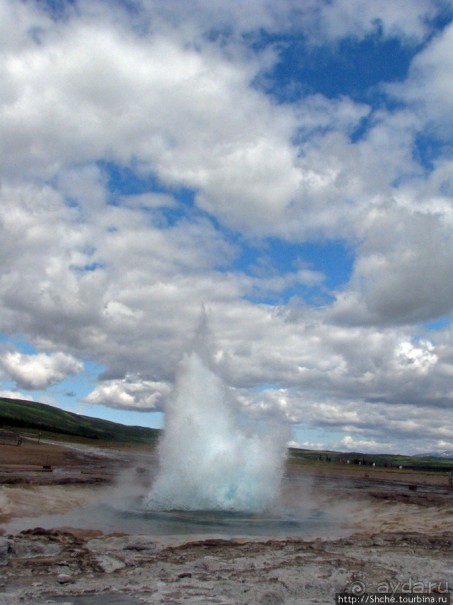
pixel 32 417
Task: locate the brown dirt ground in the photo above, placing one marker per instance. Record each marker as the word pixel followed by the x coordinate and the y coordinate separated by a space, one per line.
pixel 32 455
pixel 374 473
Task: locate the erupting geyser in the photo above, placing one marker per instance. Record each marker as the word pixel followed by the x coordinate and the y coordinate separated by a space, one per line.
pixel 208 461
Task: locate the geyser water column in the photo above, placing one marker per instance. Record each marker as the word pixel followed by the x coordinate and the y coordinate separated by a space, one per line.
pixel 208 460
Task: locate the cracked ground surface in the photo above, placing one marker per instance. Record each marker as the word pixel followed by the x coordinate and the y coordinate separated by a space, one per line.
pixel 56 566
pixel 393 535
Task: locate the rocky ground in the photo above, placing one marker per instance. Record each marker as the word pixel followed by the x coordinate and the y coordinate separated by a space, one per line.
pixel 55 566
pixel 399 536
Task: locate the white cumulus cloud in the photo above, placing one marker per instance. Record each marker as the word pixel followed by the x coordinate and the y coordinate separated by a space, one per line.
pixel 40 370
pixel 147 168
pixel 130 393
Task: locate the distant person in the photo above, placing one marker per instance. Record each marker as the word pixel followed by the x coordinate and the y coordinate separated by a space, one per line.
pixel 450 478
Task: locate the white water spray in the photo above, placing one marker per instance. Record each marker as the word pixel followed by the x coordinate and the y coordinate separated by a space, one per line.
pixel 207 460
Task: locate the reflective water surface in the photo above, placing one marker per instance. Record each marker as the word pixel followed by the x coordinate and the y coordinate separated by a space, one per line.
pixel 294 513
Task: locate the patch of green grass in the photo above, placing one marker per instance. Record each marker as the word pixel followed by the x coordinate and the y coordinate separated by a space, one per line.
pixel 426 463
pixel 32 417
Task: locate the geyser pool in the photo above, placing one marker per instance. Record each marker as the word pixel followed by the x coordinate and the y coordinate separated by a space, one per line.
pixel 208 459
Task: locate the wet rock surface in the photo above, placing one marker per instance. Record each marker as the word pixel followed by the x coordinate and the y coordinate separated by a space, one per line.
pixel 395 536
pixel 77 567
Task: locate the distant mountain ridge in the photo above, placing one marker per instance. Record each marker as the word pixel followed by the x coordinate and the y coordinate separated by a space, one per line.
pixel 26 415
pixel 448 454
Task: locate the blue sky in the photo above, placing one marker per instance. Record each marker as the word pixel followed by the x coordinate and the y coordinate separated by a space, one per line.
pixel 287 166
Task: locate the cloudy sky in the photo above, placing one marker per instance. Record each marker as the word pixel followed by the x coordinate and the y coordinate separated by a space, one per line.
pixel 288 165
